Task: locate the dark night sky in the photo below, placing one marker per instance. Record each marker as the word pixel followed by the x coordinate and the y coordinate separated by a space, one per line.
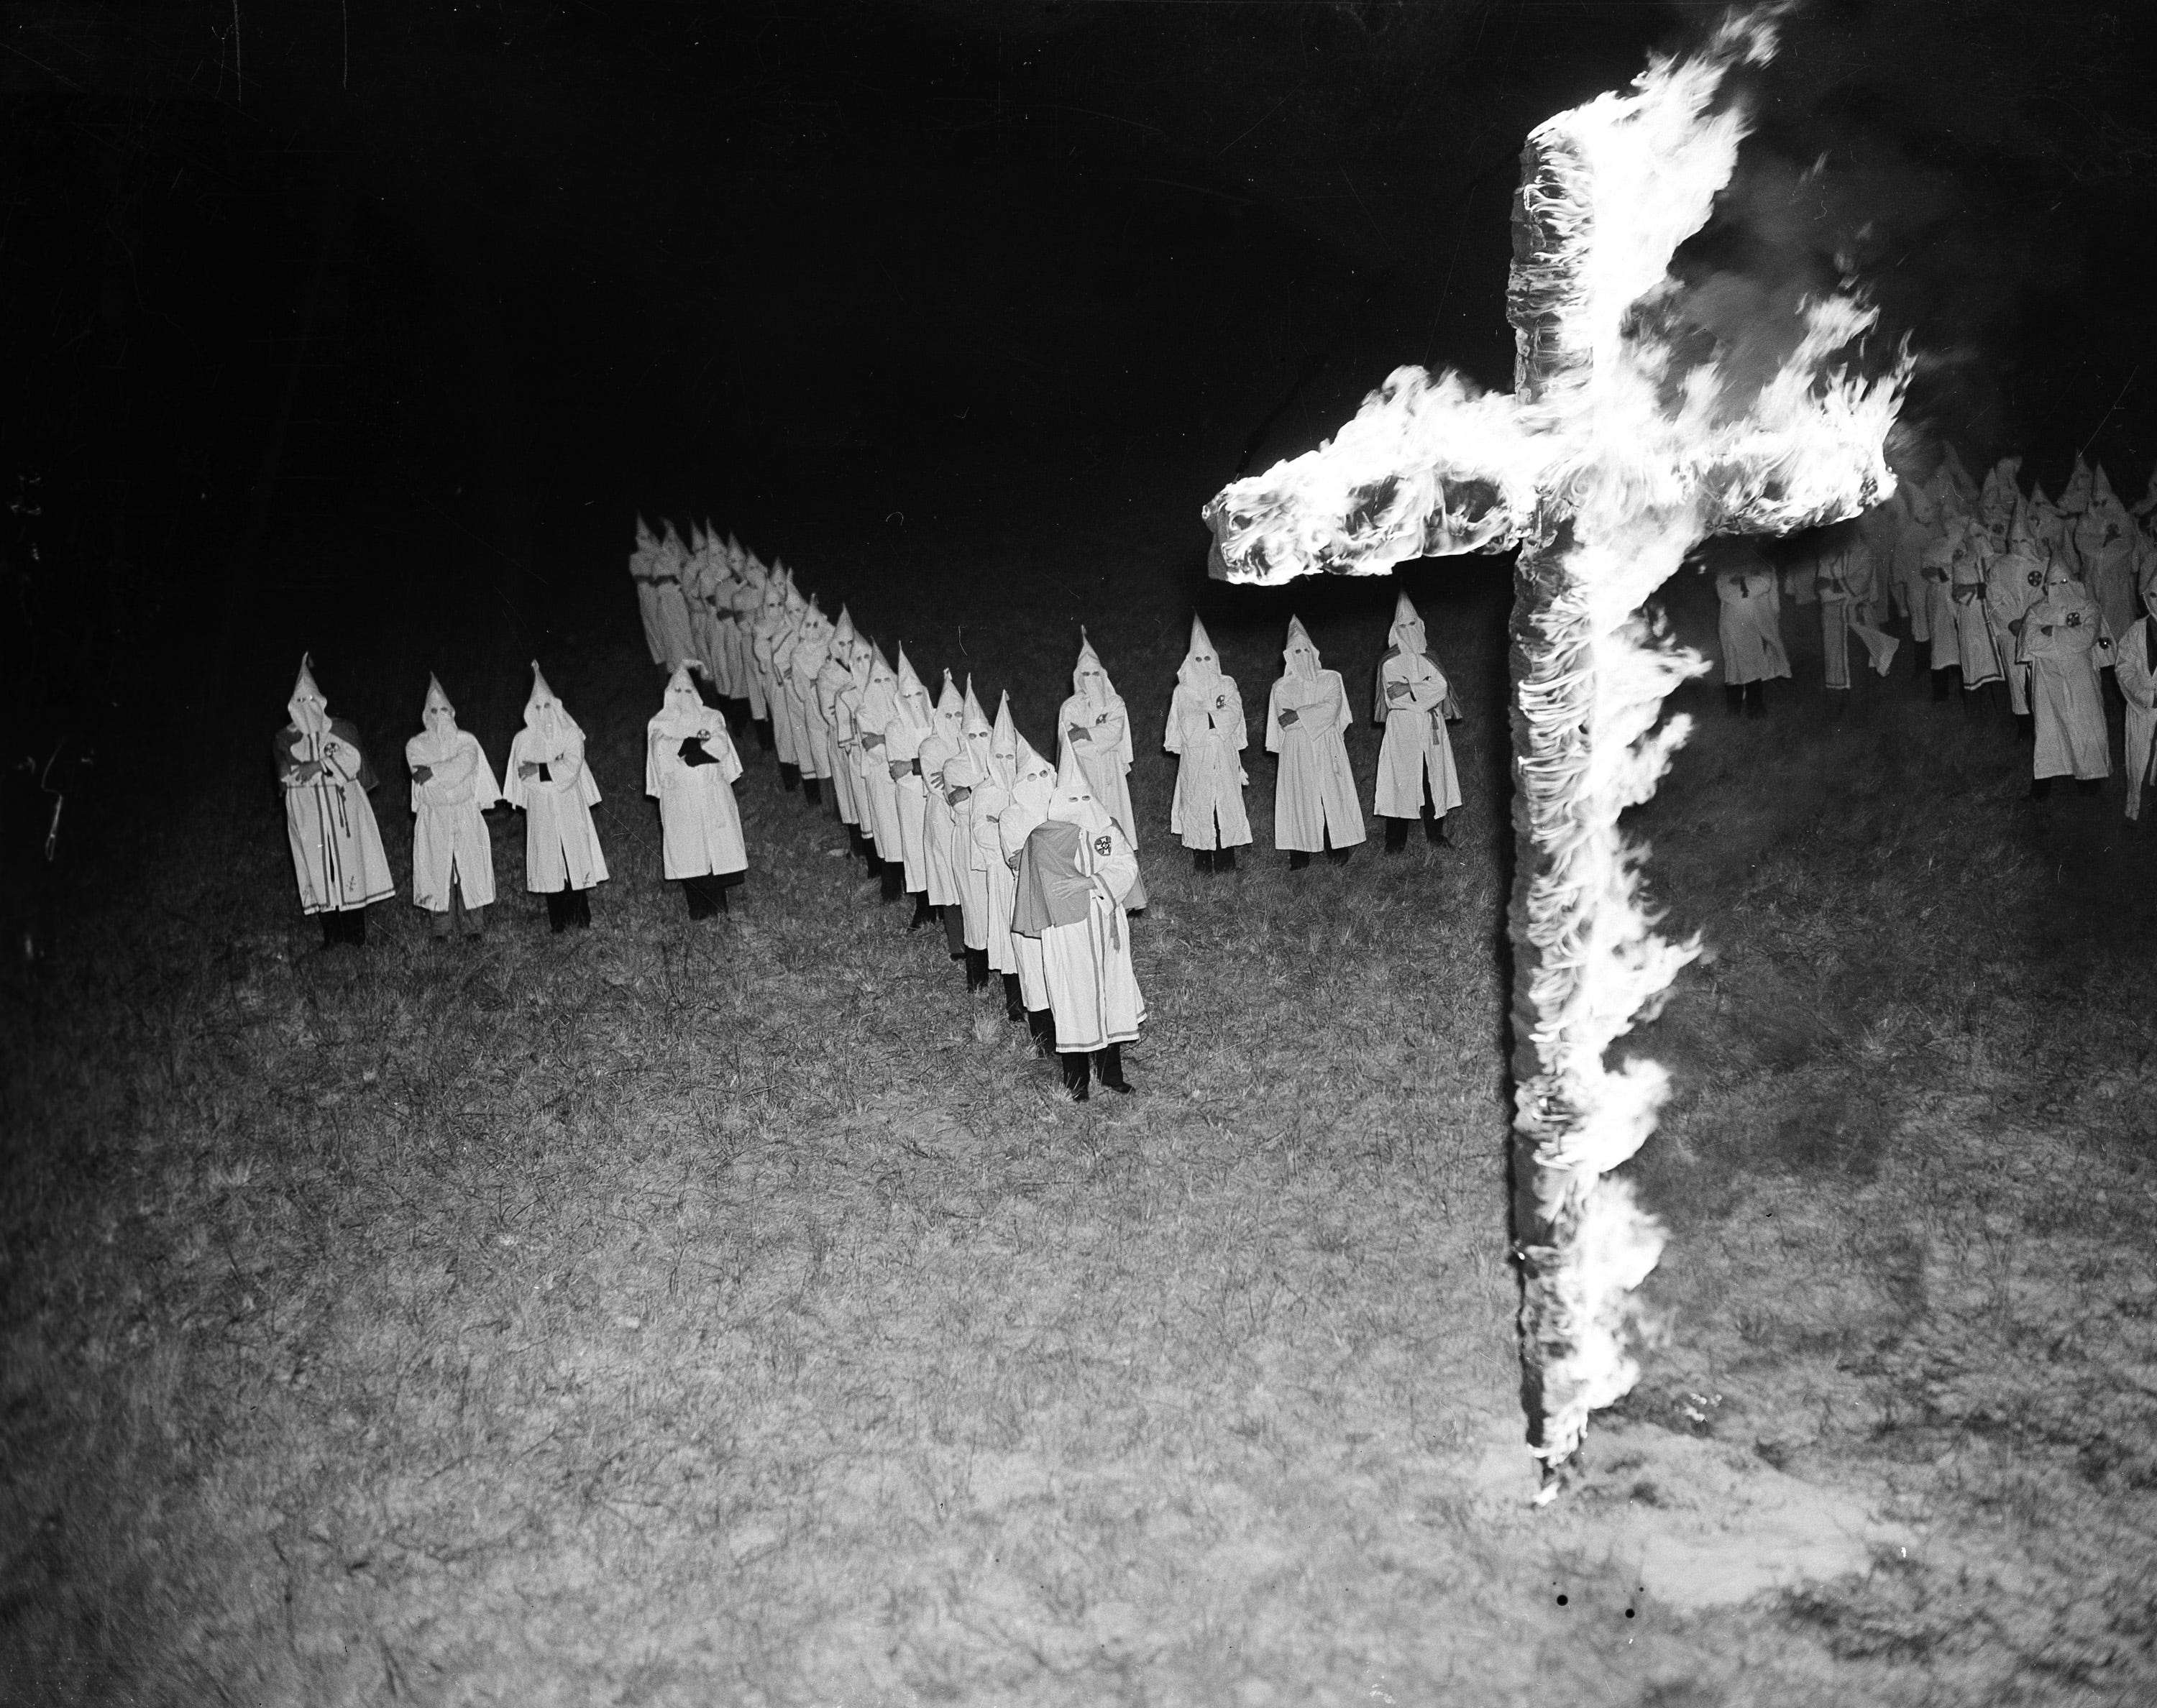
pixel 505 272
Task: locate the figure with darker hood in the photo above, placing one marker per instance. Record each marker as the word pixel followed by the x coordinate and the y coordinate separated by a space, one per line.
pixel 336 847
pixel 1208 734
pixel 690 765
pixel 1313 790
pixel 1416 774
pixel 452 787
pixel 1033 786
pixel 1078 876
pixel 549 781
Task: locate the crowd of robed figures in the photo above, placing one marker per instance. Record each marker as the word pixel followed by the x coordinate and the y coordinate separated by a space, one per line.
pixel 1031 869
pixel 2003 591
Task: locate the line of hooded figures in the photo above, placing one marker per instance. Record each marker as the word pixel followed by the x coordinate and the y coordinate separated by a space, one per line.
pixel 1029 869
pixel 2002 590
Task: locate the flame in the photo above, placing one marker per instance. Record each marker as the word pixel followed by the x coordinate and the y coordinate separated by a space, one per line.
pixel 1618 450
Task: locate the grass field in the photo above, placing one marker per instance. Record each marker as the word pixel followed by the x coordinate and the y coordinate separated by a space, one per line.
pixel 735 1312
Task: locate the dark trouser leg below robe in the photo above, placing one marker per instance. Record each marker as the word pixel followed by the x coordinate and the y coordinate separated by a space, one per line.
pixel 1014 1004
pixel 1109 1067
pixel 1075 1074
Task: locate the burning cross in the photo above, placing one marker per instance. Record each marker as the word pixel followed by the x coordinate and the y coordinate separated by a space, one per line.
pixel 1622 445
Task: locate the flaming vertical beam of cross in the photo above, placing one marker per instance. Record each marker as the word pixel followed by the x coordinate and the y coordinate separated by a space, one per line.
pixel 1612 456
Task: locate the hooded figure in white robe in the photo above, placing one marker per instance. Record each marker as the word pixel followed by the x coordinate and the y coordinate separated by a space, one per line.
pixel 805 664
pixel 1975 652
pixel 643 565
pixel 766 631
pixel 833 677
pixel 1208 734
pixel 1907 584
pixel 1096 724
pixel 1315 804
pixel 452 787
pixel 1846 581
pixel 548 781
pixel 747 600
pixel 1033 781
pixel 1076 872
pixel 671 599
pixel 690 765
pixel 2105 541
pixel 990 802
pixel 2062 639
pixel 2014 581
pixel 878 707
pixel 1750 626
pixel 1416 774
pixel 938 828
pixel 336 847
pixel 966 776
pixel 2134 668
pixel 913 721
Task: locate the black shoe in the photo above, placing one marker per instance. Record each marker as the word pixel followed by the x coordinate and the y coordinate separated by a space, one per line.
pixel 1298 858
pixel 1014 1004
pixel 763 732
pixel 1339 856
pixel 1076 1074
pixel 812 791
pixel 977 969
pixel 893 879
pixel 1202 860
pixel 1108 1069
pixel 557 912
pixel 924 914
pixel 1756 699
pixel 1435 830
pixel 790 776
pixel 1040 1025
pixel 1396 835
pixel 1944 682
pixel 1224 859
pixel 699 903
pixel 2086 785
pixel 581 909
pixel 2041 789
pixel 1734 697
pixel 332 928
pixel 2026 726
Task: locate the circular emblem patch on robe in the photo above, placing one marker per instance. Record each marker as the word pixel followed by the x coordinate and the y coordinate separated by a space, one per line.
pixel 2074 619
pixel 2034 579
pixel 1104 846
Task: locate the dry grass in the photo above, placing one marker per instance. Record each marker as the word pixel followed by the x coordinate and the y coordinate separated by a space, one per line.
pixel 734 1314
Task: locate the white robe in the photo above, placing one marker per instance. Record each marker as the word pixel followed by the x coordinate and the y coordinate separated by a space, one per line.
pixel 2133 669
pixel 1417 750
pixel 969 866
pixel 1315 791
pixel 1208 734
pixel 939 828
pixel 700 828
pixel 1104 752
pixel 992 800
pixel 2061 643
pixel 449 834
pixel 902 746
pixel 1750 626
pixel 1086 967
pixel 336 847
pixel 561 843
